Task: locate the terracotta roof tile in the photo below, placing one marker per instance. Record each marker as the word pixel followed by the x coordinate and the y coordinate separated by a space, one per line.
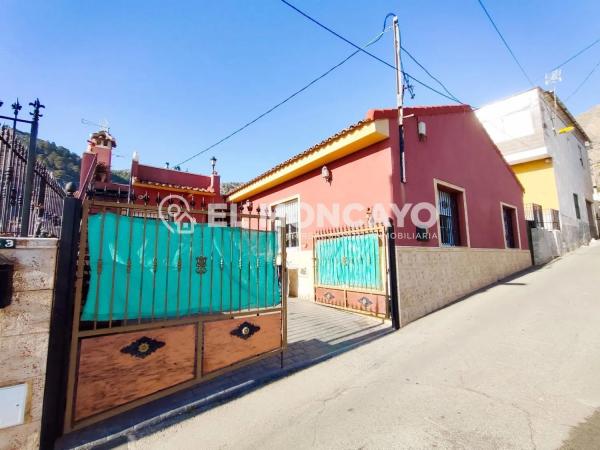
pixel 175 186
pixel 306 152
pixel 372 115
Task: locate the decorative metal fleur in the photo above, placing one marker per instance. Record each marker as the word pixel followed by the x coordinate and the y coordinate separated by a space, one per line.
pixel 328 296
pixel 16 107
pixel 142 347
pixel 365 302
pixel 245 330
pixel 36 109
pixel 201 265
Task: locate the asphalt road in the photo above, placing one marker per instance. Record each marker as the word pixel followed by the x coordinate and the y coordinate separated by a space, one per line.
pixel 515 366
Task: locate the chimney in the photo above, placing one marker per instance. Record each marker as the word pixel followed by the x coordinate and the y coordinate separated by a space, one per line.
pixel 101 144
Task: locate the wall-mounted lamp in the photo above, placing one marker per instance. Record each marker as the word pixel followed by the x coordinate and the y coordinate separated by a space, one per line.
pixel 326 174
pixel 213 163
pixel 136 157
pixel 422 128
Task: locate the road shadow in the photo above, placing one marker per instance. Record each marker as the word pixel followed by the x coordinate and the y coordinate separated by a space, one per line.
pixel 586 435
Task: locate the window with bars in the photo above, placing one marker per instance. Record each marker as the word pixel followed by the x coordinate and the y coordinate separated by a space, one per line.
pixel 508 216
pixel 290 211
pixel 449 215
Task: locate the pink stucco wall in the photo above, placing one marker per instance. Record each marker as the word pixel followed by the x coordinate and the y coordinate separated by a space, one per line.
pixel 456 150
pixel 174 177
pixel 363 177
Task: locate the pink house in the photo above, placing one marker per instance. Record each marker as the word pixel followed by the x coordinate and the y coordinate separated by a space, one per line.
pixel 147 184
pixel 456 206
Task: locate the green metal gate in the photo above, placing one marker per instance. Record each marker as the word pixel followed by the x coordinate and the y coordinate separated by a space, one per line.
pixel 351 269
pixel 161 306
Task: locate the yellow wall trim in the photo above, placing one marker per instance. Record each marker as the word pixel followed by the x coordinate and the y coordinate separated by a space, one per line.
pixel 357 139
pixel 539 180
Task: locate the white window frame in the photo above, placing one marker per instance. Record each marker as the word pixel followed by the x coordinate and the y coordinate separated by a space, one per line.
pixel 286 200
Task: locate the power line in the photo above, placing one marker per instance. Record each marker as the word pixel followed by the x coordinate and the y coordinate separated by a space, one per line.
pixel 377 58
pixel 437 80
pixel 429 73
pixel 504 41
pixel 282 102
pixel 584 81
pixel 359 50
pixel 577 54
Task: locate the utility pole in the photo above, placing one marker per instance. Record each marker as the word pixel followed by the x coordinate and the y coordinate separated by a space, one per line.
pixel 399 95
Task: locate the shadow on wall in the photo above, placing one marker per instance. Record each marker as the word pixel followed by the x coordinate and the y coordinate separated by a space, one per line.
pixel 584 435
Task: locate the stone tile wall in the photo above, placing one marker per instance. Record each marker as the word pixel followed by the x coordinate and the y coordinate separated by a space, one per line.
pixel 431 278
pixel 24 327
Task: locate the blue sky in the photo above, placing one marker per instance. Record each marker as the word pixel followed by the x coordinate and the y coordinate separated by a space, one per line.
pixel 174 77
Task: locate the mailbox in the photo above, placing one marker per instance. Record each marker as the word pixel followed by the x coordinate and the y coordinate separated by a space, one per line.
pixel 6 281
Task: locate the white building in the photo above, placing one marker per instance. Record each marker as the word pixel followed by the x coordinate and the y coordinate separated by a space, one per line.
pixel 548 151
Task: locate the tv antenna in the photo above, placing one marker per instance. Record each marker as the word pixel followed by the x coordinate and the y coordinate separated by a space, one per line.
pixel 103 125
pixel 552 79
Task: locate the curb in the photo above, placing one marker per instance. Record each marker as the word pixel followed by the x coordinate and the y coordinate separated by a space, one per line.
pixel 222 396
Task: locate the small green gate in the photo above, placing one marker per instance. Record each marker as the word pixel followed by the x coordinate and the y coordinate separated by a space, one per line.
pixel 351 269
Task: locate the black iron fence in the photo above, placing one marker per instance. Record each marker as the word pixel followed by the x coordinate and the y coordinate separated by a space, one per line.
pixel 542 218
pixel 31 201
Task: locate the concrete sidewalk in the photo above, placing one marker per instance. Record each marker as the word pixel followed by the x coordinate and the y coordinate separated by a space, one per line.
pixel 515 366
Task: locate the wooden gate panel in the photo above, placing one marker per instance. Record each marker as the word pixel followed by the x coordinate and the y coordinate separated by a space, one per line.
pixel 335 297
pixel 227 342
pixel 367 302
pixel 120 368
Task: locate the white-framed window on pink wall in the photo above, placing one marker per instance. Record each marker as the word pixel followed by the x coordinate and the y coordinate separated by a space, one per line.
pixel 290 211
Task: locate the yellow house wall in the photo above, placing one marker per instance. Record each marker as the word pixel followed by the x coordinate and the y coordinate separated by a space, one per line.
pixel 537 177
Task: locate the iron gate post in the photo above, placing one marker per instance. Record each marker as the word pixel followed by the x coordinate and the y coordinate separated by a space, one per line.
pixel 29 171
pixel 61 325
pixel 392 276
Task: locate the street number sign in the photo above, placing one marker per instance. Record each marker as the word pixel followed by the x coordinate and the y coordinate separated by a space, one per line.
pixel 8 243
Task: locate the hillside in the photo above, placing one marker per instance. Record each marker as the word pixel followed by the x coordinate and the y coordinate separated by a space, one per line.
pixel 590 121
pixel 228 186
pixel 60 160
pixel 64 163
